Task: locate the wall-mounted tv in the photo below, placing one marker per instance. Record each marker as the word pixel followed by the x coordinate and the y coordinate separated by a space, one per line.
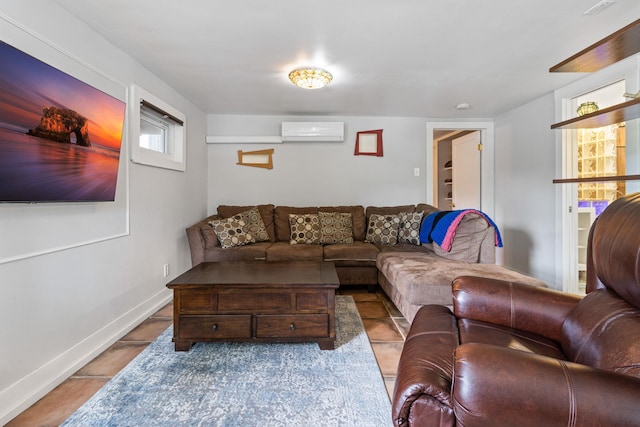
pixel 60 138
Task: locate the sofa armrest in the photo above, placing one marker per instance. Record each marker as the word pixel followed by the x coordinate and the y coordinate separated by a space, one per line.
pixel 529 308
pixel 503 387
pixel 423 383
pixel 197 241
pixel 196 244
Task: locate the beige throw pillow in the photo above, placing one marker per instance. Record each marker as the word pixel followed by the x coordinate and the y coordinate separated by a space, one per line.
pixel 409 229
pixel 232 231
pixel 255 225
pixel 383 229
pixel 305 229
pixel 335 228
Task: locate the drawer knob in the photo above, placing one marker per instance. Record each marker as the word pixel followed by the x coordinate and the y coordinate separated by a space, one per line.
pixel 292 327
pixel 214 327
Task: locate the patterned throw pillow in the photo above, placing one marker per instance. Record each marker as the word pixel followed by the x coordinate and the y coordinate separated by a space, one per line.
pixel 255 225
pixel 383 229
pixel 335 228
pixel 305 229
pixel 409 230
pixel 232 231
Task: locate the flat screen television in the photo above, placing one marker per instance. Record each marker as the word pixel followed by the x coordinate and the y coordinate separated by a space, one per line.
pixel 60 138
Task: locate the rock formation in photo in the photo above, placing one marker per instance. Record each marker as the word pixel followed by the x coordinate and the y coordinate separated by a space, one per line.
pixel 57 124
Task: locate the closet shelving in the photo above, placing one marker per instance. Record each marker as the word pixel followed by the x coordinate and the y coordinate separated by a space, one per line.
pixel 586 216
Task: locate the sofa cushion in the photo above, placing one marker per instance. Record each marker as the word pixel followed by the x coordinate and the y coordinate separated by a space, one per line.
pixel 284 251
pixel 254 251
pixel 425 278
pixel 383 229
pixel 389 210
pixel 266 213
pixel 209 236
pixel 409 229
pixel 602 332
pixel 473 242
pixel 404 247
pixel 426 209
pixel 357 217
pixel 475 331
pixel 305 229
pixel 232 231
pixel 466 247
pixel 281 220
pixel 335 227
pixel 356 251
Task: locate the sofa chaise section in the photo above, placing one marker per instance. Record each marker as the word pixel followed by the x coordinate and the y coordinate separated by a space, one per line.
pixel 414 279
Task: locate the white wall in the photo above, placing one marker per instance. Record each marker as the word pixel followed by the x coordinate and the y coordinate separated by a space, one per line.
pixel 329 173
pixel 320 173
pixel 525 198
pixel 59 310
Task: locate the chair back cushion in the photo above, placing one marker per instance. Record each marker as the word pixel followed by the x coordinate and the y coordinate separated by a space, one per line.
pixel 603 331
pixel 614 248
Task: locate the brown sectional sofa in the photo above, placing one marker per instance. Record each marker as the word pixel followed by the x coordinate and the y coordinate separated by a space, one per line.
pixel 355 263
pixel 411 275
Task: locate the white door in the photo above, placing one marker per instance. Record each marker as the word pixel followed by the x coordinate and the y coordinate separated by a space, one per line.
pixel 465 156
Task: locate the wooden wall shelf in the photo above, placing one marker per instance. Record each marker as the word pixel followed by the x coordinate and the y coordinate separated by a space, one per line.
pixel 611 49
pixel 597 179
pixel 607 116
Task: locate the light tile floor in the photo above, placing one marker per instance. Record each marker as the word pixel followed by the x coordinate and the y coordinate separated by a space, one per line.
pixel 383 322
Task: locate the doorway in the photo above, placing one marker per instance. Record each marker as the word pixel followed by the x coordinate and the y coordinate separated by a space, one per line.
pixel 435 132
pixel 592 153
pixel 457 169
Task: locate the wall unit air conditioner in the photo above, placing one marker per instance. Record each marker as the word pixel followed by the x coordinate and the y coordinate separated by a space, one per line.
pixel 312 131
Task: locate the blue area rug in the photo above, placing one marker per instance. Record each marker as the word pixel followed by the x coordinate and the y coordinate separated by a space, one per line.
pixel 247 384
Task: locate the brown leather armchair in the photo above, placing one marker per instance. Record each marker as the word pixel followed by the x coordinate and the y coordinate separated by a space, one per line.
pixel 516 355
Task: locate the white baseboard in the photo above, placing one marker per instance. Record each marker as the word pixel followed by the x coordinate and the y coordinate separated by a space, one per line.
pixel 25 392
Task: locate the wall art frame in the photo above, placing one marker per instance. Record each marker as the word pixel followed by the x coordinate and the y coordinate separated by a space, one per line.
pixel 369 143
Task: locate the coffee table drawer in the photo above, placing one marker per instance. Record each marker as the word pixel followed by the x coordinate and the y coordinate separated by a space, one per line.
pixel 318 301
pixel 254 300
pixel 197 300
pixel 284 326
pixel 237 326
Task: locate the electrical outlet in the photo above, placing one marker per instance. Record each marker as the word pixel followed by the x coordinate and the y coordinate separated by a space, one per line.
pixel 165 270
pixel 416 171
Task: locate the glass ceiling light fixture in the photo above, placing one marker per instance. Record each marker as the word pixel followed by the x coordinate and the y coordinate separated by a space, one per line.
pixel 310 77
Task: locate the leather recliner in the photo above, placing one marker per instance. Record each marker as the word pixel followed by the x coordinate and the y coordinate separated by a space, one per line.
pixel 516 355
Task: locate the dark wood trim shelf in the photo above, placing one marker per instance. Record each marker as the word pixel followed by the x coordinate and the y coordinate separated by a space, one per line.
pixel 629 110
pixel 611 49
pixel 597 179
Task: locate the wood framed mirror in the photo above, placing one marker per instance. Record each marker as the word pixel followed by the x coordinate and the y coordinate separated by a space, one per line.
pixel 369 143
pixel 258 158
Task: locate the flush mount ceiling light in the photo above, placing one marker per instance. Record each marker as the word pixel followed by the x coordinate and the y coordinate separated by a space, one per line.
pixel 310 77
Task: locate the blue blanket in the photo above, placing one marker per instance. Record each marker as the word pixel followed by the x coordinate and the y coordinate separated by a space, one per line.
pixel 440 227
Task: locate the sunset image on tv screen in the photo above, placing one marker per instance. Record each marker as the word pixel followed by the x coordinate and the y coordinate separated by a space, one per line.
pixel 60 138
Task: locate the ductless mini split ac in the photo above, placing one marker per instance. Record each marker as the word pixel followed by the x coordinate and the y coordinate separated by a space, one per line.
pixel 312 131
pixel 291 132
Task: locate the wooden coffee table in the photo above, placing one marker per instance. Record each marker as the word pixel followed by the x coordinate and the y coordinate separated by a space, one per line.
pixel 259 301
